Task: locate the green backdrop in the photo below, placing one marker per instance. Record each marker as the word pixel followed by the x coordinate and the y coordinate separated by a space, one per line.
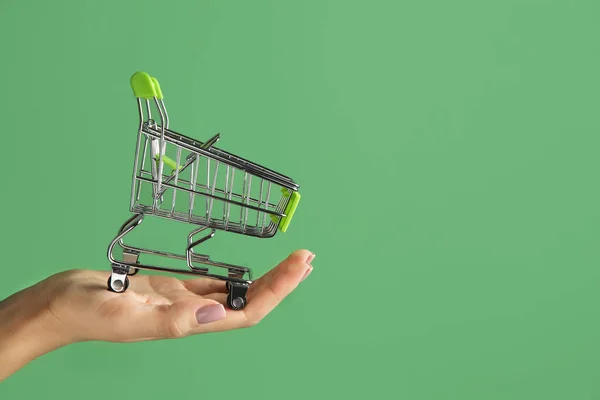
pixel 447 157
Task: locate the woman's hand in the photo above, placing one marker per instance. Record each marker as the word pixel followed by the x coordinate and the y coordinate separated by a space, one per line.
pixel 75 306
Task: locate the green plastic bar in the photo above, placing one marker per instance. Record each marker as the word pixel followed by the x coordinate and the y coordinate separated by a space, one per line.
pixel 289 211
pixel 169 162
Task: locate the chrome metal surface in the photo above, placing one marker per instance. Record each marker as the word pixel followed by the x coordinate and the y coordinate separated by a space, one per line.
pixel 196 183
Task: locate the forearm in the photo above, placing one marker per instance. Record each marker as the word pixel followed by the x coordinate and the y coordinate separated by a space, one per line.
pixel 26 332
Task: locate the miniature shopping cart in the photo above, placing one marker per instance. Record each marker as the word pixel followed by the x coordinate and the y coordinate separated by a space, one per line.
pixel 183 179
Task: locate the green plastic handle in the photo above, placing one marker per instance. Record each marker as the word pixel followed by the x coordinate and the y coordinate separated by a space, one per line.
pixel 145 86
pixel 290 209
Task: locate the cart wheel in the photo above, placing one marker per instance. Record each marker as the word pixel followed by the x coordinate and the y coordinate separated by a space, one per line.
pixel 133 271
pixel 237 303
pixel 118 289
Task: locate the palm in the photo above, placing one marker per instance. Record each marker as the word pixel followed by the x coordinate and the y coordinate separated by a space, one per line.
pixel 156 307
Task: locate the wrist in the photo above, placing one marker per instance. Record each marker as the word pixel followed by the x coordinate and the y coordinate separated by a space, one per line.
pixel 27 330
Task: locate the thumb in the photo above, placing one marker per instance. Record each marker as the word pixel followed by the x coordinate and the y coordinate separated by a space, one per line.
pixel 187 317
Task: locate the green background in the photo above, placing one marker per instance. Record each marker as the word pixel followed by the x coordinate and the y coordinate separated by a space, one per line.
pixel 447 157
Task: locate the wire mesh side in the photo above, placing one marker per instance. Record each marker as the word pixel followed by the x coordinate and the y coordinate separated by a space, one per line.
pixel 200 190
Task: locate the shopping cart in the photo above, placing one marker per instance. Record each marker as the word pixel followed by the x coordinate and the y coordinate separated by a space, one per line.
pixel 186 180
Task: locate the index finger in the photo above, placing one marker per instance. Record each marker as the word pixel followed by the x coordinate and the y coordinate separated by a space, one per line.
pixel 276 285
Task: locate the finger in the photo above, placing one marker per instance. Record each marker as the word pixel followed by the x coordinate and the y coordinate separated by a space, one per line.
pixel 268 291
pixel 265 294
pixel 204 286
pixel 219 297
pixel 301 258
pixel 277 284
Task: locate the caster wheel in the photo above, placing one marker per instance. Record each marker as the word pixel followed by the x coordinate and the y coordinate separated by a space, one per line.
pixel 133 271
pixel 120 288
pixel 237 303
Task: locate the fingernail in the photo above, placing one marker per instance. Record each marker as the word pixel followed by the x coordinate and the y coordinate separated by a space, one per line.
pixel 310 258
pixel 307 273
pixel 211 313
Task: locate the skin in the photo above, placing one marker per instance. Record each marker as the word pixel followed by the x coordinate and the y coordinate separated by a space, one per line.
pixel 75 306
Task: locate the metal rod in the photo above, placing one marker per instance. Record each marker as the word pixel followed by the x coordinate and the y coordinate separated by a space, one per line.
pixel 176 177
pixel 228 200
pixel 212 199
pixel 149 110
pixel 139 184
pixel 267 202
pixel 207 186
pixel 193 187
pixel 137 152
pixel 247 201
pixel 262 181
pixel 243 194
pixel 161 162
pixel 226 186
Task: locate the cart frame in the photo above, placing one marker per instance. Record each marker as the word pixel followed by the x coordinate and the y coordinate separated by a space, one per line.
pixel 157 137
